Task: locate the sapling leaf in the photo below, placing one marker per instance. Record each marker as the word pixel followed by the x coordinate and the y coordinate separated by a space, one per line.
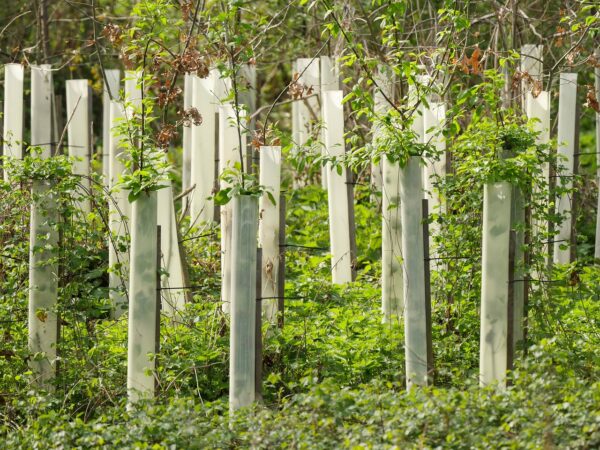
pixel 222 197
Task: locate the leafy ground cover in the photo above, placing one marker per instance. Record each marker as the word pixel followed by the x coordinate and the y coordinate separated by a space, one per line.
pixel 333 376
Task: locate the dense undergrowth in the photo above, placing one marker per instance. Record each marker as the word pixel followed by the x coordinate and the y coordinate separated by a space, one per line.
pixel 333 376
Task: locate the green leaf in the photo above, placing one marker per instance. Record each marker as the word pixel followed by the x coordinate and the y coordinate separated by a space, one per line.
pixel 222 197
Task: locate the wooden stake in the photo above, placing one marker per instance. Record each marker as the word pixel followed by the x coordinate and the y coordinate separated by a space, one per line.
pixel 511 341
pixel 597 76
pixel 427 281
pixel 519 287
pixel 281 269
pixel 158 300
pixel 351 222
pixel 258 346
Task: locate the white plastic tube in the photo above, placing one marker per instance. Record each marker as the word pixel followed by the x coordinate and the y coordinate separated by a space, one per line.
pixel 243 303
pixel 41 109
pixel 392 293
pixel 229 157
pixel 567 122
pixel 392 290
pixel 308 71
pixel 385 88
pixel 302 119
pixel 494 345
pixel 133 92
pixel 339 231
pixel 203 150
pixel 119 210
pixel 141 339
pixel 78 133
pixel 43 272
pixel 268 230
pixel 539 108
pixel 112 82
pixel 330 81
pixel 43 284
pixel 187 133
pixel 415 307
pixel 172 278
pixel 532 64
pixel 13 113
pixel 433 120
